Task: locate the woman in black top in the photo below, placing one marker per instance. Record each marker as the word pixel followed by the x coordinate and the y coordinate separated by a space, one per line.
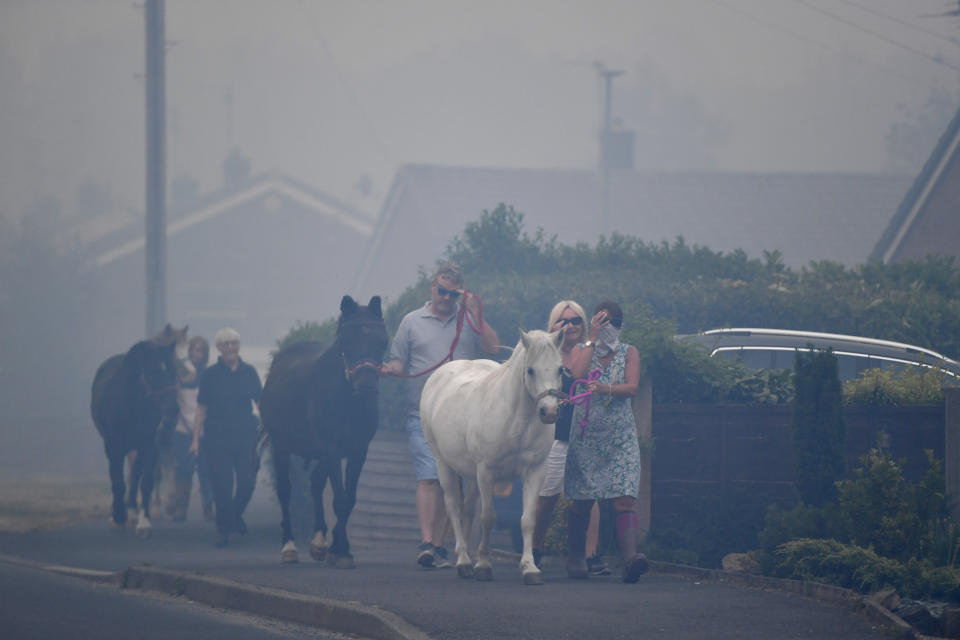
pixel 569 317
pixel 227 427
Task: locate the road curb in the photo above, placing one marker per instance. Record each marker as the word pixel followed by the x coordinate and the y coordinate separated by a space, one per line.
pixel 333 615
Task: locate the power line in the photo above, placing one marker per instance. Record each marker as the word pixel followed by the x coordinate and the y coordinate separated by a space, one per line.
pixel 378 142
pixel 799 36
pixel 887 16
pixel 878 35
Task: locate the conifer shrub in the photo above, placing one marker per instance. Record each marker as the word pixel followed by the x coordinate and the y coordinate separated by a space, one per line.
pixel 819 428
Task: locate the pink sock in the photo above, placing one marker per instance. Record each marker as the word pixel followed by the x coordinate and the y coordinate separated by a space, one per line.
pixel 626 520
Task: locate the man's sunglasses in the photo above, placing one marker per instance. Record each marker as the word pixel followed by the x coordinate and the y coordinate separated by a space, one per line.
pixel 453 293
pixel 575 321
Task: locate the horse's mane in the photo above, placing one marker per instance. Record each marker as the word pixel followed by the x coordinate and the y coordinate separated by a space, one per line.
pixel 305 349
pixel 168 335
pixel 539 342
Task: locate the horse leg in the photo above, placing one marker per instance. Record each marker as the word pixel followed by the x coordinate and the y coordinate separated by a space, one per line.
pixel 147 459
pixel 470 494
pixel 532 482
pixel 318 546
pixel 115 463
pixel 281 474
pixel 453 502
pixel 133 483
pixel 344 507
pixel 343 504
pixel 487 519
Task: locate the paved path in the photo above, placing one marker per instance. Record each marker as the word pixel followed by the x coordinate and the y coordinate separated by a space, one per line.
pixel 446 607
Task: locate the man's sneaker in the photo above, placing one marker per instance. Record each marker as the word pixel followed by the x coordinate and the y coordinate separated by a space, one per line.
pixel 597 567
pixel 427 558
pixel 440 558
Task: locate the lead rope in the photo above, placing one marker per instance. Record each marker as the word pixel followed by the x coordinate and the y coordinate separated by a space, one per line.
pixel 583 398
pixel 461 315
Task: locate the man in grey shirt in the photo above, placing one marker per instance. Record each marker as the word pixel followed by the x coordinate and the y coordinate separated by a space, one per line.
pixel 422 340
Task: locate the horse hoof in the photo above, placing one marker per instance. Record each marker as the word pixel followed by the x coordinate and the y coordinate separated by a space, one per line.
pixel 465 570
pixel 318 546
pixel 533 578
pixel 288 554
pixel 485 574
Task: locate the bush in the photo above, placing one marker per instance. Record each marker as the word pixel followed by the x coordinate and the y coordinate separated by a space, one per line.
pixel 884 387
pixel 882 531
pixel 862 569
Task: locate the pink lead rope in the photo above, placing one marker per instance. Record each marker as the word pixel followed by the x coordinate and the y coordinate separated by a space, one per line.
pixel 584 397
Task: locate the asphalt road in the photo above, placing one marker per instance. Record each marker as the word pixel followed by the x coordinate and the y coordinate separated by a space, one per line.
pixel 41 605
pixel 443 605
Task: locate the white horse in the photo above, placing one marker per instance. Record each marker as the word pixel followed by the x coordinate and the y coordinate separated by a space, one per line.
pixel 484 422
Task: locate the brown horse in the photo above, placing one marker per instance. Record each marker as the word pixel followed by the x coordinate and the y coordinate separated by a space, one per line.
pixel 133 397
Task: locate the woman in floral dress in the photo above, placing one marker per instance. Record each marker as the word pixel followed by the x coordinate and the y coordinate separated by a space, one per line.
pixel 603 459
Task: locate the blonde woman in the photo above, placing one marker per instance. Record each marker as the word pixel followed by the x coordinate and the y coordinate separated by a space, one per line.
pixel 569 317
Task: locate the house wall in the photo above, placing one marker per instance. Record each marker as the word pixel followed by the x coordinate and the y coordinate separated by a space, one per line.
pixel 260 268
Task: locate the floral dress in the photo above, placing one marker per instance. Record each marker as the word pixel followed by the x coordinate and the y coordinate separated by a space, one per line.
pixel 603 460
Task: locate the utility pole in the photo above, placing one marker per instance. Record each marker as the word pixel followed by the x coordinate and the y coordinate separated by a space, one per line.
pixel 156 160
pixel 607 75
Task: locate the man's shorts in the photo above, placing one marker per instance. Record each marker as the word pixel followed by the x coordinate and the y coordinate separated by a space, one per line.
pixel 423 462
pixel 556 461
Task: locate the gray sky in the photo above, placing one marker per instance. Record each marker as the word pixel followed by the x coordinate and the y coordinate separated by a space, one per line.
pixel 329 91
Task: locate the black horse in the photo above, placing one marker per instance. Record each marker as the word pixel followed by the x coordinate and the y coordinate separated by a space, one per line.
pixel 132 396
pixel 322 405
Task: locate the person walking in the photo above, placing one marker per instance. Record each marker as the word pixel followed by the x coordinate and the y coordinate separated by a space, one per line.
pixel 567 316
pixel 423 339
pixel 226 432
pixel 184 461
pixel 603 460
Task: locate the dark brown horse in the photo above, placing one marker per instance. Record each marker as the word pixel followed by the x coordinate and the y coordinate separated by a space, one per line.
pixel 132 396
pixel 322 405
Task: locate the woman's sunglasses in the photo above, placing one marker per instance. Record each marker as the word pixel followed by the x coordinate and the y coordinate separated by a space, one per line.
pixel 575 321
pixel 453 293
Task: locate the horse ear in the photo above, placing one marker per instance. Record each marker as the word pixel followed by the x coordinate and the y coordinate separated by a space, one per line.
pixel 525 339
pixel 348 305
pixel 374 306
pixel 557 337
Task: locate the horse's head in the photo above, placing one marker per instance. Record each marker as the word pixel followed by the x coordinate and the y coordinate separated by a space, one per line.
pixel 543 370
pixel 362 338
pixel 153 365
pixel 181 350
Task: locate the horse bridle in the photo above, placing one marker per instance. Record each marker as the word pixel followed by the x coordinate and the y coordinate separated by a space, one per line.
pixel 556 393
pixel 351 372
